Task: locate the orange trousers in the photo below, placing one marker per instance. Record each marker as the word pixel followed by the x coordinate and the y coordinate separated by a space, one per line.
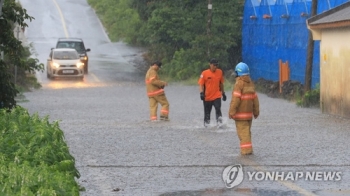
pixel 153 105
pixel 244 135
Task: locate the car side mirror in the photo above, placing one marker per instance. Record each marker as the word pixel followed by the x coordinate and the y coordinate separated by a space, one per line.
pixel 52 48
pixel 88 50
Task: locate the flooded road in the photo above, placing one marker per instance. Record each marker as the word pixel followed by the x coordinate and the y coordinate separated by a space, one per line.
pixel 118 151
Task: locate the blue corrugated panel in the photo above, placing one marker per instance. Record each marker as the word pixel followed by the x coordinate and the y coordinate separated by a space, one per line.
pixel 283 36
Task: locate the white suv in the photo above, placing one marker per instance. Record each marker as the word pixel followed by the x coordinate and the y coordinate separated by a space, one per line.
pixel 78 44
pixel 64 62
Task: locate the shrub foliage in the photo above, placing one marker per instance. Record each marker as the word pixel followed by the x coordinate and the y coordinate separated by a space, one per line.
pixel 34 157
pixel 14 53
pixel 176 32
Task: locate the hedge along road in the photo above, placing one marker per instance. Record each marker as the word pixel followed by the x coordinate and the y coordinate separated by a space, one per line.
pixel 119 152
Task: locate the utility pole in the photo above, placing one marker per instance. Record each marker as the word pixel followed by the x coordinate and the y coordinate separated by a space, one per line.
pixel 17 31
pixel 1 5
pixel 210 7
pixel 310 52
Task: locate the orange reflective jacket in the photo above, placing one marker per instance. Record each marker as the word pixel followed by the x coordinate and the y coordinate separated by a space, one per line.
pixel 211 81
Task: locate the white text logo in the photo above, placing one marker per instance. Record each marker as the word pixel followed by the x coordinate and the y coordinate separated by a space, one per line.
pixel 232 175
pixel 294 176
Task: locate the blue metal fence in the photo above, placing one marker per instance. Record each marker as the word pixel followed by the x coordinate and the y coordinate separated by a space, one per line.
pixel 276 29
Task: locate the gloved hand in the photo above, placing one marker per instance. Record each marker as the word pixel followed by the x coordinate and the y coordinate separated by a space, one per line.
pixel 202 96
pixel 224 96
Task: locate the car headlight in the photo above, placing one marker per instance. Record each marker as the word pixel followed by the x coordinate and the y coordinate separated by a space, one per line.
pixel 56 65
pixel 80 64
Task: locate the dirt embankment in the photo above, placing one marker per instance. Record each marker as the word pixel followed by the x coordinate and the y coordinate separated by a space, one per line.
pixel 289 90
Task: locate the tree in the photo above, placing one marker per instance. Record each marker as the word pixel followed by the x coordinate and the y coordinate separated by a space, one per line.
pixel 1 4
pixel 176 31
pixel 12 13
pixel 310 52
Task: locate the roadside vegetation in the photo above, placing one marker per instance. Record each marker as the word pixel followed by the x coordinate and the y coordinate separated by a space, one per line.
pixel 15 55
pixel 310 98
pixel 177 32
pixel 34 157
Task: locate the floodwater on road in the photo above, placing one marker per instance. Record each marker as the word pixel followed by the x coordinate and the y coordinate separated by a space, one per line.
pixel 118 151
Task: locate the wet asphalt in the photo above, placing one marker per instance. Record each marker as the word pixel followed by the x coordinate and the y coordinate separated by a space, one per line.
pixel 118 151
pixel 116 147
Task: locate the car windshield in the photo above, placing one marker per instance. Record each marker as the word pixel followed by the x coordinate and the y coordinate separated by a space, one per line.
pixel 67 55
pixel 78 46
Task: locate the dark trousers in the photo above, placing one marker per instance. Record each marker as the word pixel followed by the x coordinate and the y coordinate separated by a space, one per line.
pixel 208 106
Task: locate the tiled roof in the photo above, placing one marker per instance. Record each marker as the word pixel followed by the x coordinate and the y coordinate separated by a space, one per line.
pixel 336 17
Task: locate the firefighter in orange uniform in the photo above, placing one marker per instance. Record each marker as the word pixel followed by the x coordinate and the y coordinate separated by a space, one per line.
pixel 243 107
pixel 155 92
pixel 211 87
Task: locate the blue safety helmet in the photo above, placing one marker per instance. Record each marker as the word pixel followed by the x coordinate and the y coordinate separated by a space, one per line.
pixel 242 69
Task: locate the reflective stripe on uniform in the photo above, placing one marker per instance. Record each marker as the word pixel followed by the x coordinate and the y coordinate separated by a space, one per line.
pixel 164 111
pixel 246 145
pixel 248 96
pixel 155 92
pixel 243 115
pixel 236 94
pixel 153 117
pixel 149 80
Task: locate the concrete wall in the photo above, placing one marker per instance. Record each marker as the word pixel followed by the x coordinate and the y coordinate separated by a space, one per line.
pixel 335 71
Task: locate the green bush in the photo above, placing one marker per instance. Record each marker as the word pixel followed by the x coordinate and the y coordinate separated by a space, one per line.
pixel 310 98
pixel 176 32
pixel 15 54
pixel 34 157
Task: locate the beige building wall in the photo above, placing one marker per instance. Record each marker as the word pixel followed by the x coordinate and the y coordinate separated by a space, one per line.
pixel 335 71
